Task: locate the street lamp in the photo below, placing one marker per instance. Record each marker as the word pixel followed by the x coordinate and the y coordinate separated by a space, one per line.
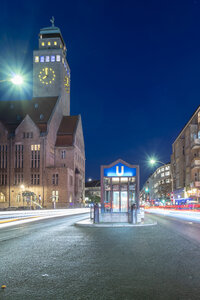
pixel 152 161
pixel 15 79
pixel 22 187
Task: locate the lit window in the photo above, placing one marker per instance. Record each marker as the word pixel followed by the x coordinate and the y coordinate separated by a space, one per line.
pixel 53 58
pixel 55 43
pixel 36 59
pixel 167 180
pixel 60 45
pixel 49 43
pixel 57 57
pixel 55 196
pixel 35 147
pixel 47 58
pixel 42 43
pixel 162 174
pixel 166 173
pixel 2 197
pixel 162 170
pixel 41 58
pixel 63 60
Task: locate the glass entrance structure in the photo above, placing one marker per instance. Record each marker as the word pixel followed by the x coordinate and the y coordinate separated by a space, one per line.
pixel 119 187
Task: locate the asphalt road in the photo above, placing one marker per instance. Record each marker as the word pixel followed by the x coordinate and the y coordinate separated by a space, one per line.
pixel 52 259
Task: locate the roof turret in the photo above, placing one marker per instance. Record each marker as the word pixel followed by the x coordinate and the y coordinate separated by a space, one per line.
pixel 51 32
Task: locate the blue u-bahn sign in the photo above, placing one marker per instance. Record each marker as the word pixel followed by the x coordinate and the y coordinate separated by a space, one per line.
pixel 119 170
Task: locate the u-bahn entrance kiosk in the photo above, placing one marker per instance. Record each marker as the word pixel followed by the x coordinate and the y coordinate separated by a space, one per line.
pixel 119 191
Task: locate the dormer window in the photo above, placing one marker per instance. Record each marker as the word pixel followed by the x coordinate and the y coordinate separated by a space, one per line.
pixel 36 59
pixel 55 43
pixel 47 58
pixel 43 44
pixel 49 43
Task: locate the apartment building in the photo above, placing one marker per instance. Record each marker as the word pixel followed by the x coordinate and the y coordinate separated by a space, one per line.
pixel 185 160
pixel 158 187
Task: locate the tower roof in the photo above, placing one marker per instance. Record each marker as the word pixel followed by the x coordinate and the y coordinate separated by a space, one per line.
pixel 66 131
pixel 51 32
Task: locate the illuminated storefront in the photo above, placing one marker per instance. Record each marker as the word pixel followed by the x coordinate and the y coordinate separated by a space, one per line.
pixel 119 186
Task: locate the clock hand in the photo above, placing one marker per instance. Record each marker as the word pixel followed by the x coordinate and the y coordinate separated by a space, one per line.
pixel 44 77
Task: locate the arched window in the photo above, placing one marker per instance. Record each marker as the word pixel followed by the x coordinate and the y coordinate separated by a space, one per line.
pixel 2 197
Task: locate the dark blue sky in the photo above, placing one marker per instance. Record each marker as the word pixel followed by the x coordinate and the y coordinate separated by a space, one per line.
pixel 135 70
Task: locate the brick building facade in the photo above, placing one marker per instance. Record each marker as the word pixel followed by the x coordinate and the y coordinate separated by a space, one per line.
pixel 42 156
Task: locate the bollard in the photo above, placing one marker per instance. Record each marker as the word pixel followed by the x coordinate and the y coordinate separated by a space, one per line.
pixel 133 214
pixel 96 213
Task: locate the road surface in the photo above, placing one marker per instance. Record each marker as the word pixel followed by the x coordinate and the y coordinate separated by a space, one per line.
pixel 53 259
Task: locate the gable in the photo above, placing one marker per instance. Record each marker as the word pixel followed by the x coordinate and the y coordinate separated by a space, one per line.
pixel 27 125
pixel 120 168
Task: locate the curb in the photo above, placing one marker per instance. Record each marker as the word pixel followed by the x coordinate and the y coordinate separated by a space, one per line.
pixel 111 225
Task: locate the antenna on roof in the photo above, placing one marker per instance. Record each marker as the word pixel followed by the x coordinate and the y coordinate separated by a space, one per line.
pixel 52 20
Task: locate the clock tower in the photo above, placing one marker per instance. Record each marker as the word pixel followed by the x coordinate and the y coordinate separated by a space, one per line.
pixel 51 72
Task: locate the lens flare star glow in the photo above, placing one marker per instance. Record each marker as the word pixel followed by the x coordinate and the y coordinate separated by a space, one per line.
pixel 17 80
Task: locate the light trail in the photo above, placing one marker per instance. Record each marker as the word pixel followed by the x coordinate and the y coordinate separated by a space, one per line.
pixel 20 217
pixel 184 215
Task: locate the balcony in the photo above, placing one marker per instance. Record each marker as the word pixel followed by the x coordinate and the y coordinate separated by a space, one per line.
pixel 195 162
pixel 195 144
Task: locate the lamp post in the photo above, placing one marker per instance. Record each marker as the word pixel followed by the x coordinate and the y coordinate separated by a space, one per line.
pixel 16 79
pixel 153 161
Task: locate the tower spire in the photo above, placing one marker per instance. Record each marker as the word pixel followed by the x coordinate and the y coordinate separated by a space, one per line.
pixel 52 20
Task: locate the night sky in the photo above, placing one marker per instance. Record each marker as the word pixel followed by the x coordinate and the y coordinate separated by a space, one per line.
pixel 135 70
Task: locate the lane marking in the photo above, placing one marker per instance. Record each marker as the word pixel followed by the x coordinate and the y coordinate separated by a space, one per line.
pixel 19 219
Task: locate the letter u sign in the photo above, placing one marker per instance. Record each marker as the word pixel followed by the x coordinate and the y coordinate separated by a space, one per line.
pixel 117 170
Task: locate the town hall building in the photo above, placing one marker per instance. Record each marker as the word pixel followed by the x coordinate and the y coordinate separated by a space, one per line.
pixel 42 153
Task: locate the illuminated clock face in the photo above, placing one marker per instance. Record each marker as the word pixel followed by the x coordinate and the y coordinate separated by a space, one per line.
pixel 67 83
pixel 47 76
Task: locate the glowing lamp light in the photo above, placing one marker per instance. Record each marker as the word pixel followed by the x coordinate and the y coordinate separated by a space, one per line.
pixel 152 161
pixel 17 80
pixel 22 187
